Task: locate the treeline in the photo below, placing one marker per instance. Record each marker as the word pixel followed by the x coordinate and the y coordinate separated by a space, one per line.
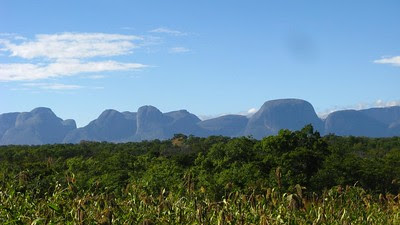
pixel 215 165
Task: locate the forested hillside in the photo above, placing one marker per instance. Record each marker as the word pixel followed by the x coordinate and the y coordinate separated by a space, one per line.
pixel 293 177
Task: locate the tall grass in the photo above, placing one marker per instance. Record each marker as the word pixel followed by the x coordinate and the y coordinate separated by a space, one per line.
pixel 64 204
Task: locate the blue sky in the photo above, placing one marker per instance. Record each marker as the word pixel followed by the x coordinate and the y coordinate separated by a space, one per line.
pixel 209 57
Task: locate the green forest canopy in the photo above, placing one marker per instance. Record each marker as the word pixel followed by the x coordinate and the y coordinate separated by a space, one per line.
pixel 215 165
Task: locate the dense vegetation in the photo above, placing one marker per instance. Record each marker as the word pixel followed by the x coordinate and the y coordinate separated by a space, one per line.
pixel 295 177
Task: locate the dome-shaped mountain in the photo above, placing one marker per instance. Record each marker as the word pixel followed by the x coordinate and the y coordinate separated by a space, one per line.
pixel 111 125
pixel 40 126
pixel 292 114
pixel 356 123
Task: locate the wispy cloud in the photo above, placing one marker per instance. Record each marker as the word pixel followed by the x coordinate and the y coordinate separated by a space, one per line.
pixel 395 61
pixel 179 50
pixel 382 103
pixel 72 45
pixel 12 36
pixel 29 71
pixel 65 54
pixel 53 86
pixel 168 31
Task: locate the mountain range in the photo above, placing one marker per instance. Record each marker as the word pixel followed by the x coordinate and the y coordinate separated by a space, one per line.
pixel 42 126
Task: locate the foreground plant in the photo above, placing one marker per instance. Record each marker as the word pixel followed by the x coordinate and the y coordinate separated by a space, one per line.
pixel 350 205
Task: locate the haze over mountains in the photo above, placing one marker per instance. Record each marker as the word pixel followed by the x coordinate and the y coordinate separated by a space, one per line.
pixel 42 126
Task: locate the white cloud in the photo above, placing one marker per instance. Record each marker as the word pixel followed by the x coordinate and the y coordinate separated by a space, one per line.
pixel 249 112
pixel 179 50
pixel 381 103
pixel 28 71
pixel 395 61
pixel 18 37
pixel 65 54
pixel 72 45
pixel 168 31
pixel 252 111
pixel 53 86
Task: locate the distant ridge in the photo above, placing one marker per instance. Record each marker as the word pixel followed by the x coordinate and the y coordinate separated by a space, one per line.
pixel 42 126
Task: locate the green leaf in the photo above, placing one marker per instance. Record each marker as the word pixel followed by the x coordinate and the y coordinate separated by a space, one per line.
pixel 54 207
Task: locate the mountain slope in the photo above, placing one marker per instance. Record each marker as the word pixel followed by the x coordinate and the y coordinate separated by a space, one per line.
pixel 228 125
pixel 7 121
pixel 153 124
pixel 40 126
pixel 111 126
pixel 388 115
pixel 356 123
